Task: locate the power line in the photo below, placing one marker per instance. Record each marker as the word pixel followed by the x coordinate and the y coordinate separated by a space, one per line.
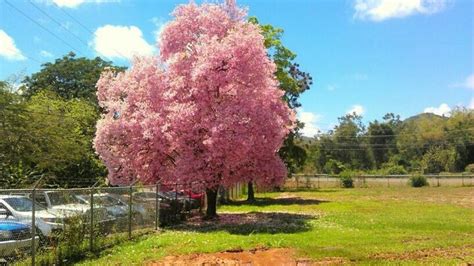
pixel 87 29
pixel 41 26
pixel 57 22
pixel 73 18
pixel 389 135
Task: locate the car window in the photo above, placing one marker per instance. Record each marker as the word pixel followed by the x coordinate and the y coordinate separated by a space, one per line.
pixel 41 199
pixel 22 204
pixel 59 198
pixel 107 201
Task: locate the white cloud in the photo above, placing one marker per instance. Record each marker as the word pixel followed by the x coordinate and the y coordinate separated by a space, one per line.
pixel 46 54
pixel 357 109
pixel 471 104
pixel 121 42
pixel 309 119
pixel 468 83
pixel 160 24
pixel 8 48
pixel 378 10
pixel 443 110
pixel 76 3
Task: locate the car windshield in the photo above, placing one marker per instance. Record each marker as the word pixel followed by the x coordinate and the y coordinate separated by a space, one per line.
pixel 22 204
pixel 58 198
pixel 108 201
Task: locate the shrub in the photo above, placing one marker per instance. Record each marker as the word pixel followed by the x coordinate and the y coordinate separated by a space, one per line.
pixel 333 167
pixel 395 170
pixel 418 181
pixel 470 168
pixel 346 179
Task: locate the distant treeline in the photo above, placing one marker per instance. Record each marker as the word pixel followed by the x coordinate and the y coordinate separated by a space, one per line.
pixel 425 143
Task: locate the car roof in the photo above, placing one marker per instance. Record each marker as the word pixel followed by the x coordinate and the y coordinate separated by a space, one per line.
pixel 11 196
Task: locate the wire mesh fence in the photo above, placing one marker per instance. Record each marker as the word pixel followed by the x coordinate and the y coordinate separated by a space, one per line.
pixel 52 226
pixel 333 181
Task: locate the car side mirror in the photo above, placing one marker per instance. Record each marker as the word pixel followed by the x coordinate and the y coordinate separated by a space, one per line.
pixel 4 212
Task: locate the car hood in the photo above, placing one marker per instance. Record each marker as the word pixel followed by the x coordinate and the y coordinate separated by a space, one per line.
pixel 12 226
pixel 40 214
pixel 71 208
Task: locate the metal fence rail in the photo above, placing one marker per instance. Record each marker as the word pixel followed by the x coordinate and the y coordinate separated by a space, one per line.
pixel 332 181
pixel 45 226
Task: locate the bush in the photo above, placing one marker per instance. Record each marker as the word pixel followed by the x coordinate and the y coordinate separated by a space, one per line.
pixel 394 170
pixel 346 179
pixel 470 168
pixel 418 181
pixel 333 167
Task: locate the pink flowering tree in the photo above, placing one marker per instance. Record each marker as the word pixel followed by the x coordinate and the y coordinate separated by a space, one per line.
pixel 207 109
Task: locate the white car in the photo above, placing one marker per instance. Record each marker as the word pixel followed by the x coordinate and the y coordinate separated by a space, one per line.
pixel 19 209
pixel 15 237
pixel 66 204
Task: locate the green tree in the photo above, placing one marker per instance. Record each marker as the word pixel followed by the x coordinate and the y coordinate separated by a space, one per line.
pixel 63 132
pixel 382 139
pixel 293 82
pixel 47 135
pixel 418 135
pixel 439 159
pixel 16 141
pixel 69 77
pixel 460 135
pixel 350 144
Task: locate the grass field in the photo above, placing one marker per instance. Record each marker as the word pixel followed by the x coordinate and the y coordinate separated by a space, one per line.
pixel 432 225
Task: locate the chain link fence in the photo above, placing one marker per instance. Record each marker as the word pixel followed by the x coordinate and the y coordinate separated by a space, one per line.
pixel 59 226
pixel 333 181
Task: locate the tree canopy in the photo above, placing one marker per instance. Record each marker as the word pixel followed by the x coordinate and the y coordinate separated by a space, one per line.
pixel 69 77
pixel 209 109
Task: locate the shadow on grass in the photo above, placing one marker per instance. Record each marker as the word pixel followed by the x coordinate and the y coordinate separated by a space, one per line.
pixel 250 223
pixel 277 201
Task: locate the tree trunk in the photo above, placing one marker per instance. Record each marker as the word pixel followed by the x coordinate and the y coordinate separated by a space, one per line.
pixel 251 193
pixel 211 211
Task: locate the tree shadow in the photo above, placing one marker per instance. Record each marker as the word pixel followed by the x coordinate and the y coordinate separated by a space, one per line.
pixel 277 201
pixel 250 223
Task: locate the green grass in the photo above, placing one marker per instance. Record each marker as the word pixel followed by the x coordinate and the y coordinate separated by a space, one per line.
pixel 365 226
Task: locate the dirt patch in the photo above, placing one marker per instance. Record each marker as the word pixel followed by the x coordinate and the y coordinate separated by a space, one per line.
pixel 424 254
pixel 256 257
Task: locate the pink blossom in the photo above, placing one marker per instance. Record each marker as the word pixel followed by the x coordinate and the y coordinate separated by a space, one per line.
pixel 207 109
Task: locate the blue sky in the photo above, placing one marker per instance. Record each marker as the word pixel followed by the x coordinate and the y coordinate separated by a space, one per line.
pixel 368 56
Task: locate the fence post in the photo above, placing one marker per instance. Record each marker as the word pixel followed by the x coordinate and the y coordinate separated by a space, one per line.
pixel 157 207
pixel 388 181
pixel 33 222
pixel 33 228
pixel 91 237
pixel 437 180
pixel 130 202
pixel 318 181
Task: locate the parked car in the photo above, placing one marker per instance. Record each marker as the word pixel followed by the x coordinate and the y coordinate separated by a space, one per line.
pixel 187 202
pixel 143 211
pixel 115 208
pixel 66 205
pixel 149 199
pixel 19 209
pixel 14 237
pixel 170 208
